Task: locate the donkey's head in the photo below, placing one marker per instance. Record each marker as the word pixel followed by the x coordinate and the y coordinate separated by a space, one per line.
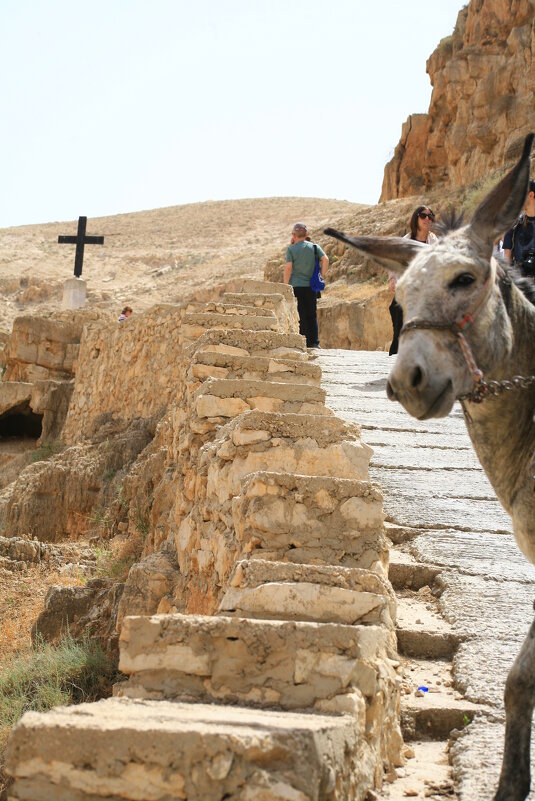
pixel 438 286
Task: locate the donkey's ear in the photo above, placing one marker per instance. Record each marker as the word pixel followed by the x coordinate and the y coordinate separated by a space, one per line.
pixel 498 211
pixel 392 252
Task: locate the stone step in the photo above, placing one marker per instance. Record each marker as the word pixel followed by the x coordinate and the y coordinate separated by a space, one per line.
pixel 252 343
pixel 285 311
pixel 196 323
pixel 427 775
pixel 431 707
pixel 422 633
pixel 211 364
pixel 275 302
pixel 406 573
pixel 327 667
pixel 326 520
pixel 253 286
pixel 230 397
pixel 159 751
pixel 322 593
pixel 304 444
pixel 237 308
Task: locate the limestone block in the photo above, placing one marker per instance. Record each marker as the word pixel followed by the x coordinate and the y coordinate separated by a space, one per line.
pixel 322 520
pixel 232 309
pixel 148 582
pixel 156 751
pixel 203 371
pixel 329 594
pixel 255 287
pixel 302 444
pixel 74 293
pixel 254 343
pixel 216 399
pixel 269 389
pixel 357 325
pixel 211 364
pixel 196 323
pixel 285 310
pixel 88 610
pixel 236 660
pixel 211 406
pixel 220 348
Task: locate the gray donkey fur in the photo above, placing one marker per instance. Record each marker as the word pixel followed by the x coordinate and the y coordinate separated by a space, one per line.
pixel 438 284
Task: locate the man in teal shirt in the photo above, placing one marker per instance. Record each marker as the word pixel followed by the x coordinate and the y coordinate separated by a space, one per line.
pixel 298 271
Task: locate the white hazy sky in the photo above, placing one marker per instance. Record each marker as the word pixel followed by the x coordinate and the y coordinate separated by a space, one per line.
pixel 113 106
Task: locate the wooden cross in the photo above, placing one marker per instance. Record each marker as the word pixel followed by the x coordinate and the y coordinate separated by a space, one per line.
pixel 80 240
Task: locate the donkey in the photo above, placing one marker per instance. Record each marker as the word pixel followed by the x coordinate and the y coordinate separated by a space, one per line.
pixel 470 334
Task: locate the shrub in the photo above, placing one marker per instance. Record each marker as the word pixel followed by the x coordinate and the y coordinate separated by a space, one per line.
pixel 47 450
pixel 47 675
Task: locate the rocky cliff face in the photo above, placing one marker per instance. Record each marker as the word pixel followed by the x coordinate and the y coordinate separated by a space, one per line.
pixel 482 106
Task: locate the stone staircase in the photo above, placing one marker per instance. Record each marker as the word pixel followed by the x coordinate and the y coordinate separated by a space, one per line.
pixel 273 676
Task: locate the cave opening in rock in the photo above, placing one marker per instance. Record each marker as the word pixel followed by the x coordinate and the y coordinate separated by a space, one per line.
pixel 21 423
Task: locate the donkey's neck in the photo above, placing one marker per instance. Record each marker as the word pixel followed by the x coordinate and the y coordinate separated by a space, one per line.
pixel 502 428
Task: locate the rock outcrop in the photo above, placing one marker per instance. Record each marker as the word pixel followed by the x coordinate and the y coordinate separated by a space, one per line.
pixel 39 363
pixel 263 555
pixel 482 106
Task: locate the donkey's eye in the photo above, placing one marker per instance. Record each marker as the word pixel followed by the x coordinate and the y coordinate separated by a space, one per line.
pixel 462 280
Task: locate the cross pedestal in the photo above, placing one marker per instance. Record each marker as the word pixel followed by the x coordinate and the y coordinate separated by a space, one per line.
pixel 74 292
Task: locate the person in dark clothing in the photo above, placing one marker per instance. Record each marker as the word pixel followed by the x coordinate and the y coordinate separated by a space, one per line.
pixel 298 271
pixel 396 315
pixel 519 241
pixel 421 221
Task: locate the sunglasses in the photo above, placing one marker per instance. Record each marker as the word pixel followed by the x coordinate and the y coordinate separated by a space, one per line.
pixel 424 216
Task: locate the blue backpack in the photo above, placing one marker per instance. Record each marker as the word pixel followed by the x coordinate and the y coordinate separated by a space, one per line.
pixel 316 282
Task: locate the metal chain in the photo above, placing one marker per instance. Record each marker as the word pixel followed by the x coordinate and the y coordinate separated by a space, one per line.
pixel 484 388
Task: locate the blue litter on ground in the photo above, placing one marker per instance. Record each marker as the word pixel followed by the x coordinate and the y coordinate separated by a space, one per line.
pixel 424 689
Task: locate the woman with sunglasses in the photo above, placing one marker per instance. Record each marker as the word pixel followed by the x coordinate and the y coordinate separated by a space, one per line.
pixel 421 221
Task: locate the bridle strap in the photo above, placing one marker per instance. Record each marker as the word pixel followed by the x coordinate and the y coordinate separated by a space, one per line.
pixel 462 322
pixel 457 328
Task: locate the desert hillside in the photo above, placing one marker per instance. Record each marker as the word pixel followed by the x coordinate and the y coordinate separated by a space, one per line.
pixel 153 256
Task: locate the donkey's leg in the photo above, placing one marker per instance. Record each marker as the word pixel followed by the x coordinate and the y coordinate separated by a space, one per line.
pixel 519 701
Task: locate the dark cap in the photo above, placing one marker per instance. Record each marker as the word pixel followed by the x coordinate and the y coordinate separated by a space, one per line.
pixel 300 226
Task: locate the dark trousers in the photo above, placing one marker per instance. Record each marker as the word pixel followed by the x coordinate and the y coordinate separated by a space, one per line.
pixel 307 301
pixel 396 313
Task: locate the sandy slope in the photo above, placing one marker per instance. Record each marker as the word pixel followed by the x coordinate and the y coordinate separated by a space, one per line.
pixel 153 256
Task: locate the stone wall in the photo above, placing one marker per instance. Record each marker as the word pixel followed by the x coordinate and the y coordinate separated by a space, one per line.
pixel 38 365
pixel 259 625
pixel 482 105
pixel 357 325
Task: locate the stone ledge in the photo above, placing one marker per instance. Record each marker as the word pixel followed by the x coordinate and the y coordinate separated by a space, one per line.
pixel 253 343
pixel 318 519
pixel 237 308
pixel 285 664
pixel 212 364
pixel 156 751
pixel 252 286
pixel 326 594
pixel 248 388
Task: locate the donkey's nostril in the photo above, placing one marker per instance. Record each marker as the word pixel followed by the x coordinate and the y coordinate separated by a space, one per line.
pixel 417 377
pixel 390 391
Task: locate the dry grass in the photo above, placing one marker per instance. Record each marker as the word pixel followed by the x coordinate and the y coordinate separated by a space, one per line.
pixel 22 594
pixel 45 676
